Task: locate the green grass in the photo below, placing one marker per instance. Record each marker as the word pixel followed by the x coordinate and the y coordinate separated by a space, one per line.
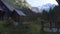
pixel 50 33
pixel 1 23
pixel 34 28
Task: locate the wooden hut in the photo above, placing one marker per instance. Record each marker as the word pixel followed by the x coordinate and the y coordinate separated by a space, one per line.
pixel 7 12
pixel 16 15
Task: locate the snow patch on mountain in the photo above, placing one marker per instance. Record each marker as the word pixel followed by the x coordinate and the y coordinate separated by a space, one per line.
pixel 45 7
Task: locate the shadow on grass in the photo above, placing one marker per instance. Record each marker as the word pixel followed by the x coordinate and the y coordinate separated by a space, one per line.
pixel 49 32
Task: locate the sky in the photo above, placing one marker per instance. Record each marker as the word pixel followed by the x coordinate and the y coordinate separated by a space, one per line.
pixel 36 3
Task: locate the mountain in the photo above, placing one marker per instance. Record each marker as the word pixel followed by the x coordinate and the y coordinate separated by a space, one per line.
pixel 36 9
pixel 19 4
pixel 45 7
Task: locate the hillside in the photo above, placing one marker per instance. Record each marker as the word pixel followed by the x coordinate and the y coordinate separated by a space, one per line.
pixel 19 4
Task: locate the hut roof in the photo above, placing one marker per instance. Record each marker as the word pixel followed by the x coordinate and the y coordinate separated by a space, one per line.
pixel 10 8
pixel 58 1
pixel 20 12
pixel 7 5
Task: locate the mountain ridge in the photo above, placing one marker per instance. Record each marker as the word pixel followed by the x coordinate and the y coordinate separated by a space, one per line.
pixel 45 7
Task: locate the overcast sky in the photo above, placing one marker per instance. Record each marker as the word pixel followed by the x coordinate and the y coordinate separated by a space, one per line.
pixel 36 3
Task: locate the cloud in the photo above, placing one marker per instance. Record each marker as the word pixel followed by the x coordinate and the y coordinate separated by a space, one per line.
pixel 36 3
